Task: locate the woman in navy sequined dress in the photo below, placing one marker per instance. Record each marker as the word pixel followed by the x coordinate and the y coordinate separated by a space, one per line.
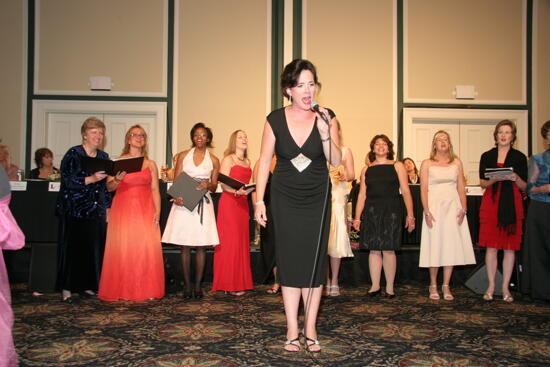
pixel 81 206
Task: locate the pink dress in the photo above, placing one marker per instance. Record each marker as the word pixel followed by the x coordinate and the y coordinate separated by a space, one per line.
pixel 11 238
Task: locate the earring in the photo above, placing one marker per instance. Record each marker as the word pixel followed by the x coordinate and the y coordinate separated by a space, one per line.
pixel 290 98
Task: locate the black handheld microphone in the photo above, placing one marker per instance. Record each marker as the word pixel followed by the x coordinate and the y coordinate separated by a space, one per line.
pixel 315 108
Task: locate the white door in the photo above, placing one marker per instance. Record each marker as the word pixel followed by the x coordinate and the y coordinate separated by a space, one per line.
pixel 419 142
pixel 63 132
pixel 476 137
pixel 118 124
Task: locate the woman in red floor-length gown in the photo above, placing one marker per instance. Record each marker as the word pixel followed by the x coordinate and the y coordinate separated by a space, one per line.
pixel 232 271
pixel 133 267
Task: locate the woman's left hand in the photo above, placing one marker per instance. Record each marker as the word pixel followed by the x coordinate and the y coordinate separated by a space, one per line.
pixel 460 216
pixel 410 224
pixel 240 192
pixel 203 186
pixel 322 125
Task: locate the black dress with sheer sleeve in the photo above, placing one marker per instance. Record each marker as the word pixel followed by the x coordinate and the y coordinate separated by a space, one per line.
pixel 300 195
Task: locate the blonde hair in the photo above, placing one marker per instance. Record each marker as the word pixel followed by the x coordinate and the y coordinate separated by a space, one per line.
pixel 144 150
pixel 433 152
pixel 232 146
pixel 93 123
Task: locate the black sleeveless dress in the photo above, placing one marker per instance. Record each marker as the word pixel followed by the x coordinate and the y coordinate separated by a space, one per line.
pixel 382 218
pixel 297 200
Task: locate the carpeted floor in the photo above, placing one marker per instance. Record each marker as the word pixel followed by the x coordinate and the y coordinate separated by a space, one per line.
pixel 223 330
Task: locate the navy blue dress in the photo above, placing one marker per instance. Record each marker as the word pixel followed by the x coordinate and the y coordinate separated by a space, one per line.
pixel 82 224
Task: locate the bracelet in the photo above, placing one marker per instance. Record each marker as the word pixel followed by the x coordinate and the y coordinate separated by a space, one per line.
pixel 427 214
pixel 411 217
pixel 261 202
pixel 325 140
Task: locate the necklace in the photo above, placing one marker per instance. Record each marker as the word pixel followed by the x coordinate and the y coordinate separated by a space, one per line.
pixel 239 158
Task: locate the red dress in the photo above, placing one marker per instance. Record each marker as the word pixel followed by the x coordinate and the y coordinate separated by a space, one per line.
pixel 232 256
pixel 133 267
pixel 490 234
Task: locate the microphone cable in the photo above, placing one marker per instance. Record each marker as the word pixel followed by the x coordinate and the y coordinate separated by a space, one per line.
pixel 307 303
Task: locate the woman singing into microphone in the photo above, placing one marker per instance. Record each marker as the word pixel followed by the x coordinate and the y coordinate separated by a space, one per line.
pixel 300 196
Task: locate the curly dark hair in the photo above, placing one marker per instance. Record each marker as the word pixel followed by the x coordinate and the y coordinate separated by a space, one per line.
pixel 291 73
pixel 390 154
pixel 41 153
pixel 544 129
pixel 209 135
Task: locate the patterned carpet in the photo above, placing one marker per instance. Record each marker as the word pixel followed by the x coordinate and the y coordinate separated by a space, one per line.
pixel 224 330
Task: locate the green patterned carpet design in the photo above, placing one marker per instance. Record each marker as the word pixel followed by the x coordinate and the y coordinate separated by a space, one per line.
pixel 224 330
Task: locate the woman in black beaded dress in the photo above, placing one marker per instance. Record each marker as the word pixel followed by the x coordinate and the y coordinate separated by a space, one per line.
pixel 379 212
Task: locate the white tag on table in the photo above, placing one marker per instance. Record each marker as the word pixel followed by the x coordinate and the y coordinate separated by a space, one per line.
pixel 18 185
pixel 54 186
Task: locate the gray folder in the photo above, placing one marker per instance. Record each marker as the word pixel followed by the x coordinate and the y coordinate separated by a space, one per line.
pixel 186 187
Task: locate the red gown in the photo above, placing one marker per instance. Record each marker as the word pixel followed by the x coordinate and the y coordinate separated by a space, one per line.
pixel 133 267
pixel 232 271
pixel 489 233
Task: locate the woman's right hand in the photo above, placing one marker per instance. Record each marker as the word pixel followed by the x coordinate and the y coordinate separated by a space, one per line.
pixel 177 201
pixel 260 215
pixel 356 224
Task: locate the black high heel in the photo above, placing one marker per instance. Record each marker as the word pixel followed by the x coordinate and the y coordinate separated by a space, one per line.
pixel 375 293
pixel 68 299
pixel 197 294
pixel 187 294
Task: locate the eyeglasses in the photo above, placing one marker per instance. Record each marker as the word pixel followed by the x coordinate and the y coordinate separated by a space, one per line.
pixel 134 135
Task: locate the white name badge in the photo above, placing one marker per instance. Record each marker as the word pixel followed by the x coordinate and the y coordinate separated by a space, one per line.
pixel 54 186
pixel 18 185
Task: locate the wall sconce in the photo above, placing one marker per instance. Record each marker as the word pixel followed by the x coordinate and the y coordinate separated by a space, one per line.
pixel 102 83
pixel 465 92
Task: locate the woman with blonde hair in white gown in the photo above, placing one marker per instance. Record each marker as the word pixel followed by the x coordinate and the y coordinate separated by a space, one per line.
pixel 338 242
pixel 445 240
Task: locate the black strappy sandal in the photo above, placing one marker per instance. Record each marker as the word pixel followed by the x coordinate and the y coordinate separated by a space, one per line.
pixel 310 343
pixel 292 342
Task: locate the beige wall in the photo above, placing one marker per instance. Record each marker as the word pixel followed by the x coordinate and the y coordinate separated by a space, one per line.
pixel 12 123
pixel 222 70
pixel 223 58
pixel 123 39
pixel 467 42
pixel 541 72
pixel 354 57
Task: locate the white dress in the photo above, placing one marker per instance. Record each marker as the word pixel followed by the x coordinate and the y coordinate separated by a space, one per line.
pixel 446 243
pixel 338 241
pixel 184 226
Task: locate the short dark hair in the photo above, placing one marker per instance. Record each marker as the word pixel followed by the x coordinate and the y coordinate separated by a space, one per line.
pixel 209 135
pixel 390 154
pixel 41 153
pixel 291 73
pixel 506 123
pixel 544 129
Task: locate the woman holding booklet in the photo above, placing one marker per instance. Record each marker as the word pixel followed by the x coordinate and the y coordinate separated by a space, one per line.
pixel 195 228
pixel 133 267
pixel 82 206
pixel 232 271
pixel 501 212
